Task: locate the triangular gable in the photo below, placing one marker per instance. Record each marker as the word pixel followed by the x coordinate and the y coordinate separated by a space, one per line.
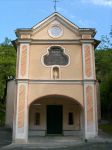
pixel 41 28
pixel 55 16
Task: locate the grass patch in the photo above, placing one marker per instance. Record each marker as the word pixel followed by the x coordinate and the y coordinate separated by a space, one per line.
pixel 107 128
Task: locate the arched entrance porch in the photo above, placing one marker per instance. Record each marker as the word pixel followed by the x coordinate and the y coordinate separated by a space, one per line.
pixel 55 115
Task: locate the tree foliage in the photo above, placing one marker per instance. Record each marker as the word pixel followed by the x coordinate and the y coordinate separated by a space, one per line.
pixel 7 66
pixel 104 76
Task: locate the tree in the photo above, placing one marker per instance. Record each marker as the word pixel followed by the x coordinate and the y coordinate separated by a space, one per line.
pixel 7 68
pixel 7 42
pixel 103 57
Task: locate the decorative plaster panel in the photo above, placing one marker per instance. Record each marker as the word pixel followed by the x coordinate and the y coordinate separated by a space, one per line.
pixel 88 61
pixel 21 106
pixel 89 94
pixel 88 66
pixel 24 61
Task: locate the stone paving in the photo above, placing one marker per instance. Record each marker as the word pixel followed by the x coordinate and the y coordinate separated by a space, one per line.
pixel 103 142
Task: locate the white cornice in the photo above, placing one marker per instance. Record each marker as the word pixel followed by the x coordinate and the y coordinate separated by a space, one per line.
pixel 67 41
pixel 55 16
pixel 55 81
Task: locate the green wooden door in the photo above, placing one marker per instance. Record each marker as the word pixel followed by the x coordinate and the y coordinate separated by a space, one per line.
pixel 54 119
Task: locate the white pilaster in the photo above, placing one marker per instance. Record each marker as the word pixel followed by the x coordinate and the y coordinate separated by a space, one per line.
pixel 20 133
pixel 90 105
pixel 26 62
pixel 90 127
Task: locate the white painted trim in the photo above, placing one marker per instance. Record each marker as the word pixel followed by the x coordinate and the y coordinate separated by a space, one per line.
pixel 22 133
pixel 91 57
pixel 55 16
pixel 28 61
pixel 94 109
pixel 92 132
pixel 47 52
pixel 83 62
pixel 59 81
pixel 15 115
pixel 94 67
pixel 26 113
pixel 85 111
pixel 17 104
pixel 19 67
pixel 17 61
pixel 53 66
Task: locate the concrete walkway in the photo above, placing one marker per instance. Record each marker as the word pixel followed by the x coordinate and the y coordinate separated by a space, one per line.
pixel 59 143
pixel 54 141
pixel 102 142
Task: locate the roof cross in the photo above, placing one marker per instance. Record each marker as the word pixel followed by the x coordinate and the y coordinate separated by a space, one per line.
pixel 55 4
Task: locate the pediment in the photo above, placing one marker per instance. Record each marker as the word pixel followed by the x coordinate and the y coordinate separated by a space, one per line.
pixel 55 26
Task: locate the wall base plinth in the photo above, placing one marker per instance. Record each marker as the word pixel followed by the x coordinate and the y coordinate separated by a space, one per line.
pixel 90 135
pixel 20 141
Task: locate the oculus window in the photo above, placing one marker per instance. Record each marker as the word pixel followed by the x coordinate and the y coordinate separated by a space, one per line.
pixel 56 56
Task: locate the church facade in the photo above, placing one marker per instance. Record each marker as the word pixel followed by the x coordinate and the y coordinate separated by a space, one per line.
pixel 55 85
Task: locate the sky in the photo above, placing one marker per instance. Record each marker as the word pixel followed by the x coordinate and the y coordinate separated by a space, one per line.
pixel 26 13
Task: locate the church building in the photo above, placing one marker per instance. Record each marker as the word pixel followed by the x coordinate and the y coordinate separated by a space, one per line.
pixel 54 92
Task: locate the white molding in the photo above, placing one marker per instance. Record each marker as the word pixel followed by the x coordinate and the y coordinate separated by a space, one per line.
pixel 59 81
pixel 55 16
pixel 85 111
pixel 22 133
pixel 92 129
pixel 59 41
pixel 47 52
pixel 17 61
pixel 53 66
pixel 19 68
pixel 94 67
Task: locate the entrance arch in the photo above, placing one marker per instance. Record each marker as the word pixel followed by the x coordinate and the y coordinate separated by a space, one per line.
pixel 55 114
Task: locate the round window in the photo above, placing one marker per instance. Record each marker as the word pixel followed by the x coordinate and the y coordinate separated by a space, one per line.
pixel 55 31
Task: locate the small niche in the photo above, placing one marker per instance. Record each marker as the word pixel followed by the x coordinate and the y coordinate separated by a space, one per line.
pixel 55 73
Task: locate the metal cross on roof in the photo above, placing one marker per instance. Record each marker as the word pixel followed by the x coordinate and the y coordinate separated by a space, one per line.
pixel 55 4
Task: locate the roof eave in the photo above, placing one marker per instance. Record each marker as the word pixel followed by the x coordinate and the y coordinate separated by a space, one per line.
pixel 23 30
pixel 91 31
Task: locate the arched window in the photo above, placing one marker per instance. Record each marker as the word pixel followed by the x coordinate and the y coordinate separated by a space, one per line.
pixel 56 56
